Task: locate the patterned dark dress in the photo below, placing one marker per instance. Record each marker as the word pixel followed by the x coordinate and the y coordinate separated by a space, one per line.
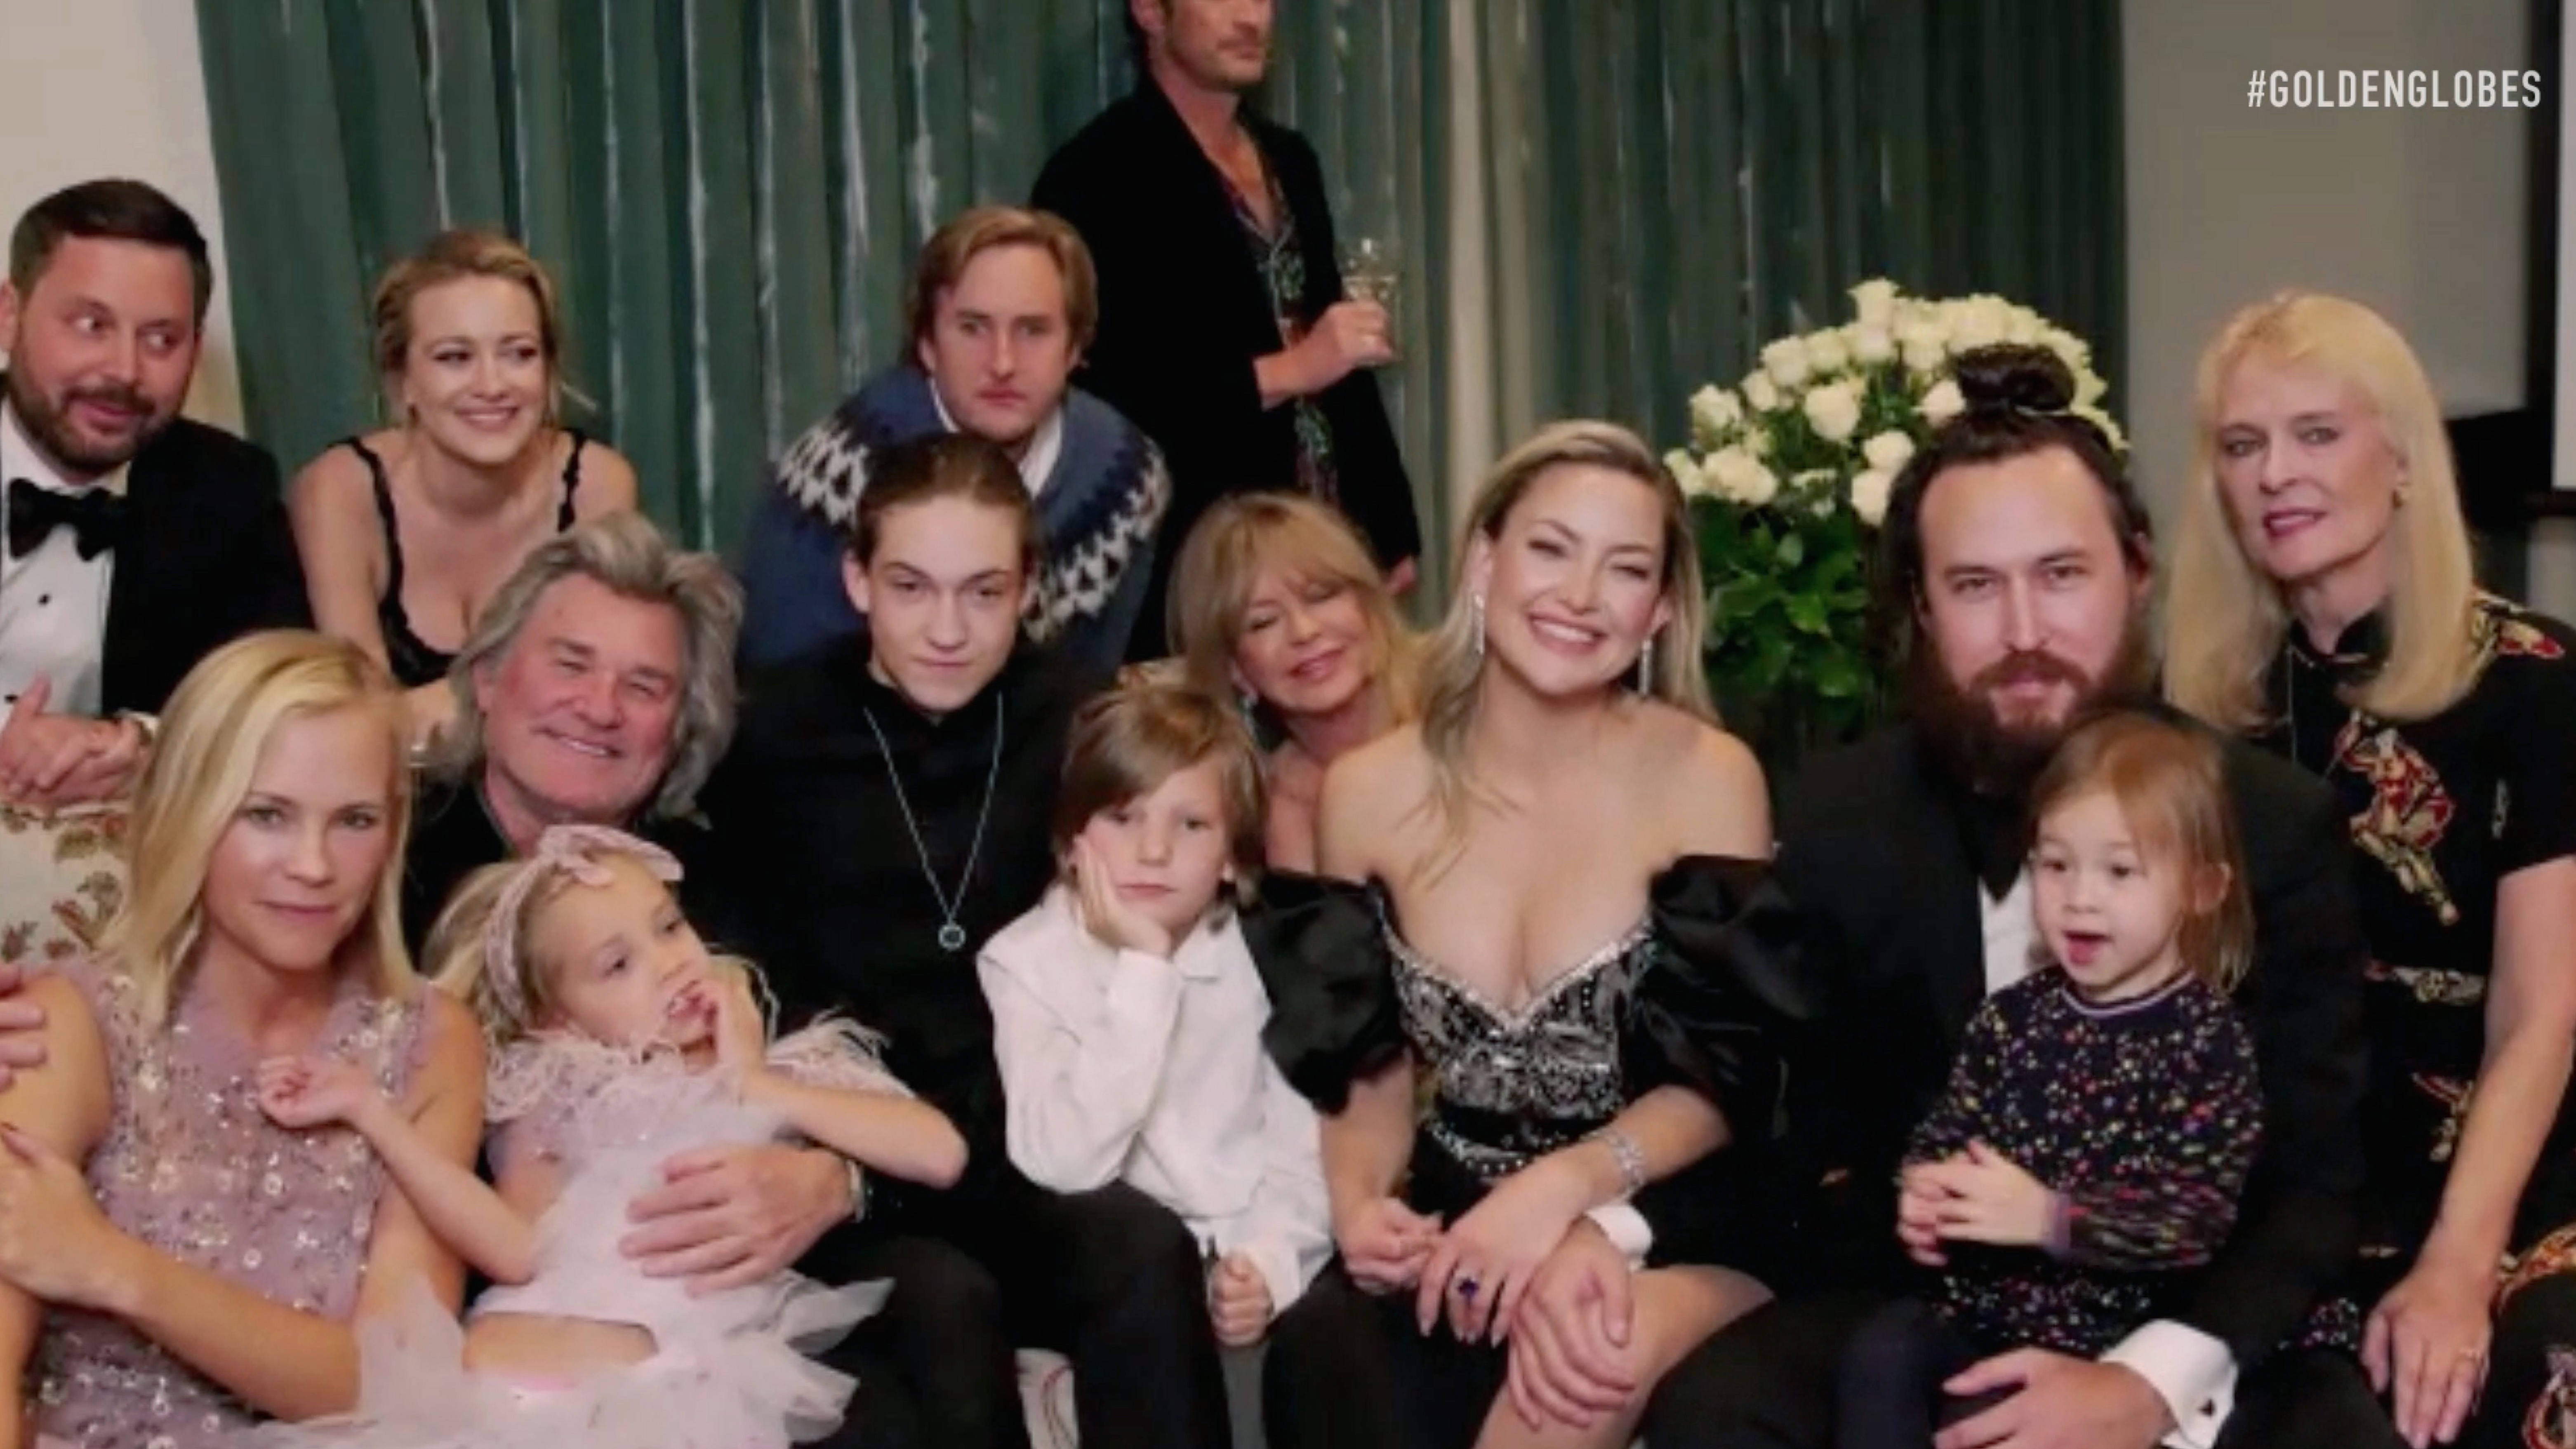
pixel 2444 809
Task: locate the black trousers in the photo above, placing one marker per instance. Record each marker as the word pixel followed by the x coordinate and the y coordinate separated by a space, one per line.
pixel 1109 1278
pixel 1348 1369
pixel 1769 1381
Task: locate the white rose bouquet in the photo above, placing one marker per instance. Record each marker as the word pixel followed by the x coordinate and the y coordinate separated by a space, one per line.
pixel 1789 474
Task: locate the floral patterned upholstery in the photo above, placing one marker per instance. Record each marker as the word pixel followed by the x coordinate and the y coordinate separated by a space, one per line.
pixel 61 876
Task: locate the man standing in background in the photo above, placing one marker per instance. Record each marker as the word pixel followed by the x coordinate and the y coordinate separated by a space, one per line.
pixel 1223 330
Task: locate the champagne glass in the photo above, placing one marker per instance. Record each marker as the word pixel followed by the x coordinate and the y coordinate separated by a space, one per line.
pixel 1371 271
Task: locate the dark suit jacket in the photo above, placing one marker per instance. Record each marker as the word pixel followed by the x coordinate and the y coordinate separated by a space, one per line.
pixel 1872 853
pixel 207 557
pixel 1183 313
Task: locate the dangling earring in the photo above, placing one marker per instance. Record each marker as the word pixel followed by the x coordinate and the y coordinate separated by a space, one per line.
pixel 1478 601
pixel 1646 667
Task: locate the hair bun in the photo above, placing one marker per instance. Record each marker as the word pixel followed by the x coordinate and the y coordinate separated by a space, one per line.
pixel 2011 376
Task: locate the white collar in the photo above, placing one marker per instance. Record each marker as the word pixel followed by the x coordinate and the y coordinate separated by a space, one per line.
pixel 19 458
pixel 1044 444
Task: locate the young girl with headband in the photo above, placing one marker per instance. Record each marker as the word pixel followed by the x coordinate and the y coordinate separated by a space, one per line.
pixel 617 1040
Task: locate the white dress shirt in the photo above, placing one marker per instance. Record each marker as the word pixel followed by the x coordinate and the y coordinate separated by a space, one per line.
pixel 1124 1067
pixel 2191 1371
pixel 1037 465
pixel 53 602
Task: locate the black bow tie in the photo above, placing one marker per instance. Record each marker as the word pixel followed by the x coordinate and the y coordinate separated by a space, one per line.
pixel 95 516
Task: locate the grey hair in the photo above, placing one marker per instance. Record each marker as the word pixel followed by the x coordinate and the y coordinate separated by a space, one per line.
pixel 625 554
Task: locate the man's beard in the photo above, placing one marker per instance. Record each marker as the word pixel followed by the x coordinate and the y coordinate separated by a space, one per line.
pixel 50 427
pixel 2000 757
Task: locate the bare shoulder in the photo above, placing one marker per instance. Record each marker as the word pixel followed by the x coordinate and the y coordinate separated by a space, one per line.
pixel 336 479
pixel 1367 795
pixel 608 483
pixel 1710 784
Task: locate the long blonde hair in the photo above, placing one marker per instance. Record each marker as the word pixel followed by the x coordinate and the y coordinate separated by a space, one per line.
pixel 220 718
pixel 1230 547
pixel 2225 619
pixel 1453 666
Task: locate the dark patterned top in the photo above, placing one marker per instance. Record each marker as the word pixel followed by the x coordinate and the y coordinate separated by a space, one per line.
pixel 2144 1115
pixel 2443 810
pixel 1281 256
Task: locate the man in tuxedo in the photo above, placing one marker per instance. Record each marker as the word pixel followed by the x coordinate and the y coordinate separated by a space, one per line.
pixel 1223 329
pixel 136 541
pixel 2018 555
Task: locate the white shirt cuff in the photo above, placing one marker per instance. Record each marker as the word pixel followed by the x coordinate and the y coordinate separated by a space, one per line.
pixel 1626 1229
pixel 2192 1372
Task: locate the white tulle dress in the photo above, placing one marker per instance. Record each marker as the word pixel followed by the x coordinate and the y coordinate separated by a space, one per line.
pixel 729 1370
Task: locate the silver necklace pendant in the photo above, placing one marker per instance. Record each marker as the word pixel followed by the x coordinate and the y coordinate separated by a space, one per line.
pixel 952 937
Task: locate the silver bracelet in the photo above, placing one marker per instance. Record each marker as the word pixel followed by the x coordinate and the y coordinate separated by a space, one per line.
pixel 1630 1157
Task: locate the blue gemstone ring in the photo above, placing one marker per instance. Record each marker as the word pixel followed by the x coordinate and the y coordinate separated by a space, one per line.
pixel 1467 1289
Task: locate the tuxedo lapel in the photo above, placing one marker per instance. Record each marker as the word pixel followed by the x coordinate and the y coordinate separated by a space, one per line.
pixel 1949 942
pixel 146 563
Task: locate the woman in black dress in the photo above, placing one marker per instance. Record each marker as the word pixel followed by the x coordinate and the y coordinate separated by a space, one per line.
pixel 2324 604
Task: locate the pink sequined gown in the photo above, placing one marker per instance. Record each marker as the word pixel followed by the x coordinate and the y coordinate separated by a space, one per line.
pixel 192 1167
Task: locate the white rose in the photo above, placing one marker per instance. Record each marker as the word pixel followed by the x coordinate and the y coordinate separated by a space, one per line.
pixel 1834 409
pixel 1871 344
pixel 1738 477
pixel 2022 327
pixel 1686 472
pixel 1759 391
pixel 1827 352
pixel 1926 342
pixel 1980 324
pixel 1869 491
pixel 1757 441
pixel 2089 389
pixel 1874 302
pixel 1787 362
pixel 1924 358
pixel 2069 350
pixel 1943 403
pixel 1713 410
pixel 1888 451
pixel 2102 420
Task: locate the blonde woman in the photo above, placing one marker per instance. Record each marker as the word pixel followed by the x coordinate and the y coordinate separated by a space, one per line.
pixel 208 1270
pixel 1596 1022
pixel 407 532
pixel 1276 603
pixel 2324 605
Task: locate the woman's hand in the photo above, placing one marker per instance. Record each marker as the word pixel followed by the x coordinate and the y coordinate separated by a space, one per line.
pixel 1484 1263
pixel 55 1245
pixel 301 1093
pixel 1384 1244
pixel 2426 1348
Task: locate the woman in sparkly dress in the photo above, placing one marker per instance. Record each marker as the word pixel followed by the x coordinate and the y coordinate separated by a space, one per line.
pixel 208 1271
pixel 1566 922
pixel 2325 605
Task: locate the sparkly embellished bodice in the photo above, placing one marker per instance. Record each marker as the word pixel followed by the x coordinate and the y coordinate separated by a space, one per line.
pixel 1511 1085
pixel 191 1167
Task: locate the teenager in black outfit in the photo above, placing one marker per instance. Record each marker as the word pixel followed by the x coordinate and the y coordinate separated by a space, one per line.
pixel 885 809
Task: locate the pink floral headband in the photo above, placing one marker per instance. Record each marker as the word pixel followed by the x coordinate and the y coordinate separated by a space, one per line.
pixel 578 851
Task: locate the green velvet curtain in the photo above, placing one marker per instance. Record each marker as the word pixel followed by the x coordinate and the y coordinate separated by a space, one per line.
pixel 1685 180
pixel 728 192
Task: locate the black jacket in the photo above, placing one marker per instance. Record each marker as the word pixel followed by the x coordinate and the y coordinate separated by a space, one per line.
pixel 1874 853
pixel 1184 312
pixel 207 557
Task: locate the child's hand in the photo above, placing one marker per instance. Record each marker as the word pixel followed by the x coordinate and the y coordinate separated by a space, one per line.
pixel 741 1031
pixel 1238 1301
pixel 1113 920
pixel 303 1092
pixel 1989 1199
pixel 1918 1218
